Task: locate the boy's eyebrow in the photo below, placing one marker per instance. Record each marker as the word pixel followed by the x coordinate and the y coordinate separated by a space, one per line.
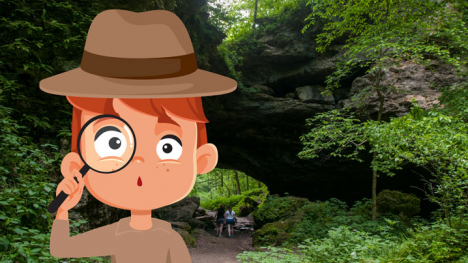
pixel 105 129
pixel 170 136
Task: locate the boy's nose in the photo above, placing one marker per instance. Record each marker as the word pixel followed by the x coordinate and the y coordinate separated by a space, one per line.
pixel 138 159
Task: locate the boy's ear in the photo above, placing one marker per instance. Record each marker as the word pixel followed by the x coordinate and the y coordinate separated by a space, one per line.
pixel 207 158
pixel 70 163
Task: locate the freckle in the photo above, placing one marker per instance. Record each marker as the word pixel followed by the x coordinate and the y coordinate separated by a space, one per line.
pixel 156 166
pixel 116 164
pixel 164 164
pixel 167 170
pixel 113 169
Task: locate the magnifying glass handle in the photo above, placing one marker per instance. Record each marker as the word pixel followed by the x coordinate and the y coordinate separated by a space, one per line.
pixel 53 207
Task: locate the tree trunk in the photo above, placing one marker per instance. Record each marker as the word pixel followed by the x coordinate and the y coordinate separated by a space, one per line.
pixel 229 191
pixel 237 182
pixel 374 193
pixel 211 187
pixel 379 118
pixel 247 179
pixel 255 14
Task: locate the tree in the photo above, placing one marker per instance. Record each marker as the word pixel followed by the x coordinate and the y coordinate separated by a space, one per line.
pixel 434 141
pixel 255 14
pixel 381 34
pixel 236 176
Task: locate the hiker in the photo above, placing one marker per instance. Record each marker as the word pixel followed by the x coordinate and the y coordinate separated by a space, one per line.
pixel 219 220
pixel 230 219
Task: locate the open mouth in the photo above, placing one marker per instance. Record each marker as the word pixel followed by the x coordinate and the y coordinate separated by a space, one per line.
pixel 139 182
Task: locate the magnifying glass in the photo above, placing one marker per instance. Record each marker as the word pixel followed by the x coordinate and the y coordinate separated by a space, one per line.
pixel 106 144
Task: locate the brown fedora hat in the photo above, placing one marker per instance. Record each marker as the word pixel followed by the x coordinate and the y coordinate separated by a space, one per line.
pixel 138 55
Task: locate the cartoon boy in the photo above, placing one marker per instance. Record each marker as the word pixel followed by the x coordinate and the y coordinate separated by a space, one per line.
pixel 136 106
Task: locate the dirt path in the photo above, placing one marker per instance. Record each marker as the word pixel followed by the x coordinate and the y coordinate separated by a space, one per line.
pixel 212 249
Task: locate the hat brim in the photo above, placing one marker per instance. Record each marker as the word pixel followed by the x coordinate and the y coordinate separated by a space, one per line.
pixel 80 83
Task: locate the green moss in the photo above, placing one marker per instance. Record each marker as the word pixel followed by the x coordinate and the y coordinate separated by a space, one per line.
pixel 396 202
pixel 277 208
pixel 188 239
pixel 246 206
pixel 272 234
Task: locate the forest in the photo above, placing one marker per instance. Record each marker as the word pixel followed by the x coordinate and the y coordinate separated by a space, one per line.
pixel 346 139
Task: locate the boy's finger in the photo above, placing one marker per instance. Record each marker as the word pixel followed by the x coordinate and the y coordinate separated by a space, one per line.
pixel 68 189
pixel 74 185
pixel 79 177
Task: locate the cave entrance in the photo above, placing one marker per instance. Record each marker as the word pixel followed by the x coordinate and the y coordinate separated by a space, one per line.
pixel 229 186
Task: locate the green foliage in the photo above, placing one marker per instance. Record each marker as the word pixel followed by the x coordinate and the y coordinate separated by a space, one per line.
pixel 236 19
pixel 454 100
pixel 277 208
pixel 434 141
pixel 272 233
pixel 396 202
pixel 38 39
pixel 246 206
pixel 226 201
pixel 425 244
pixel 26 191
pixel 381 33
pixel 238 202
pixel 223 183
pixel 314 219
pixel 336 129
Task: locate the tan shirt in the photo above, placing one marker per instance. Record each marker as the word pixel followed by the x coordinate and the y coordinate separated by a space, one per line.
pixel 160 243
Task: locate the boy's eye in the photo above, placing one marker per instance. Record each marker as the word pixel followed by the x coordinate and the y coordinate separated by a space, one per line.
pixel 110 141
pixel 169 147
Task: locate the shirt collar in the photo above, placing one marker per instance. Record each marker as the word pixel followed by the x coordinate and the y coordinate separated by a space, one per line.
pixel 123 226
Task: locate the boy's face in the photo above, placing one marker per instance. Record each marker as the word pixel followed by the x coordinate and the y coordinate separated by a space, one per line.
pixel 163 169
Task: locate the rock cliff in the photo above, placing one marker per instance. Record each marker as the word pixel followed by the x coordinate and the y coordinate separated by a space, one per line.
pixel 258 132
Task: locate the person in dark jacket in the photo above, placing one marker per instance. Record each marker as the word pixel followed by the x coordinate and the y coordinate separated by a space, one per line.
pixel 219 220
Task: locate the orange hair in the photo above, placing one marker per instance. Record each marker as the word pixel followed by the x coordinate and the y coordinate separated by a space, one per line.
pixel 185 108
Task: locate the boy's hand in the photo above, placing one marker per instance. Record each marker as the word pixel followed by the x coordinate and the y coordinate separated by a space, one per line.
pixel 72 188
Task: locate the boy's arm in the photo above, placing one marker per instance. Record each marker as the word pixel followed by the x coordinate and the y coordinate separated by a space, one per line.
pixel 97 242
pixel 178 251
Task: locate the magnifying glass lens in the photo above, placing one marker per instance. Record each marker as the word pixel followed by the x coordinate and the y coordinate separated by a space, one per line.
pixel 107 144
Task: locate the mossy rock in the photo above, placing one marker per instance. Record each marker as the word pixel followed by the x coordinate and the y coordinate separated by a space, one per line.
pixel 277 208
pixel 188 239
pixel 247 206
pixel 272 234
pixel 198 233
pixel 398 203
pixel 181 225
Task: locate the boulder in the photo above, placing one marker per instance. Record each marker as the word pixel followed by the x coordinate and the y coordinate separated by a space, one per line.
pixel 249 205
pixel 272 234
pixel 398 203
pixel 409 81
pixel 207 221
pixel 197 233
pixel 200 212
pixel 278 208
pixel 195 223
pixel 263 89
pixel 181 225
pixel 179 211
pixel 188 239
pixel 313 94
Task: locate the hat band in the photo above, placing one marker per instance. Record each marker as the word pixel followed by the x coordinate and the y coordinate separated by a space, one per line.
pixel 138 68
